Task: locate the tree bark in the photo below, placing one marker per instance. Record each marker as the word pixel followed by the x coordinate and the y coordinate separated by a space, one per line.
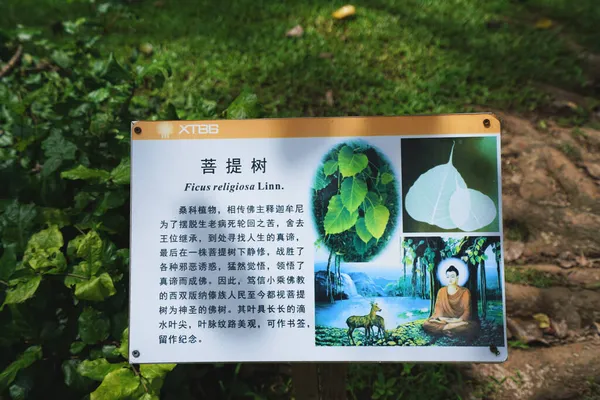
pixel 305 380
pixel 473 288
pixel 413 278
pixel 333 381
pixel 329 287
pixel 423 278
pixel 483 290
pixel 433 296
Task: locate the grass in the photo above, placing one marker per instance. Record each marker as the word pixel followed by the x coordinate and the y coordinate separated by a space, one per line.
pixel 392 58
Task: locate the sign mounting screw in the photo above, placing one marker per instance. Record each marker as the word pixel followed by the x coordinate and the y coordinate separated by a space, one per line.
pixel 135 353
pixel 137 130
pixel 487 123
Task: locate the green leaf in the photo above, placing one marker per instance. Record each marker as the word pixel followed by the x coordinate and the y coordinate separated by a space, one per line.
pixel 338 219
pixel 114 72
pixel 99 95
pixel 151 371
pixel 353 192
pixel 22 386
pixel 351 163
pixel 44 251
pixel 56 149
pixel 112 199
pixel 371 200
pixel 98 369
pixel 8 263
pixel 89 248
pixel 16 223
pixel 359 245
pixel 376 219
pixel 121 174
pixel 77 273
pixel 124 347
pixel 244 106
pixel 94 326
pixel 362 231
pixel 73 379
pixel 85 173
pixel 330 167
pixel 49 238
pixel 96 289
pixel 29 356
pixel 76 347
pixel 55 216
pixel 117 385
pixel 61 58
pixel 110 351
pixel 148 396
pixel 23 291
pixel 321 181
pixel 386 178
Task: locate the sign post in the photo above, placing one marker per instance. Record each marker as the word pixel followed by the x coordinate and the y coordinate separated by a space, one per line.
pixel 317 240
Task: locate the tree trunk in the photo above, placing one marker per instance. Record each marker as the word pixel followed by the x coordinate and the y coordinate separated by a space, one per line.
pixel 472 286
pixel 437 258
pixel 433 296
pixel 483 290
pixel 497 249
pixel 338 272
pixel 329 287
pixel 413 278
pixel 403 286
pixel 423 278
pixel 333 379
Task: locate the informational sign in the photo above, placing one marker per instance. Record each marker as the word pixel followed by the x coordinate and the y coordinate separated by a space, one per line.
pixel 317 240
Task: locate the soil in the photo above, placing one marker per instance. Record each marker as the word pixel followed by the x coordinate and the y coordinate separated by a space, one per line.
pixel 551 209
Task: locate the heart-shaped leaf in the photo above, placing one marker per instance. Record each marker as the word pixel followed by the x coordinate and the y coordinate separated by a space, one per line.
pixel 351 163
pixel 386 178
pixel 330 167
pixel 471 210
pixel 428 199
pixel 338 219
pixel 362 231
pixel 353 192
pixel 376 219
pixel 321 181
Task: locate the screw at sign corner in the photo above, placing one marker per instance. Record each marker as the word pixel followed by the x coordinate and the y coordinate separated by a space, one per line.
pixel 494 350
pixel 135 353
pixel 487 123
pixel 137 130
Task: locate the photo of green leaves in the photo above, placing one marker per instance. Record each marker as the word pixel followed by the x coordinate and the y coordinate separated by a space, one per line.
pixel 355 201
pixel 450 184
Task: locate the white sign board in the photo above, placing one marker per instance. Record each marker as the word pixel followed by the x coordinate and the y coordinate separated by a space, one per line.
pixel 316 240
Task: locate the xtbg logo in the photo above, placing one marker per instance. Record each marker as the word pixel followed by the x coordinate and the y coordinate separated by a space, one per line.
pixel 199 129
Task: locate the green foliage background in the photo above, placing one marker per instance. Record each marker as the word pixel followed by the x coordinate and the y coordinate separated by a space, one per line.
pixel 64 215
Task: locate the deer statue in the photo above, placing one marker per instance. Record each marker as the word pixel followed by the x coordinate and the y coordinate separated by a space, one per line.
pixel 364 321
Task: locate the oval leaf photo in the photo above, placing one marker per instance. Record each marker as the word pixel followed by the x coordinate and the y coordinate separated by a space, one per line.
pixel 355 201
